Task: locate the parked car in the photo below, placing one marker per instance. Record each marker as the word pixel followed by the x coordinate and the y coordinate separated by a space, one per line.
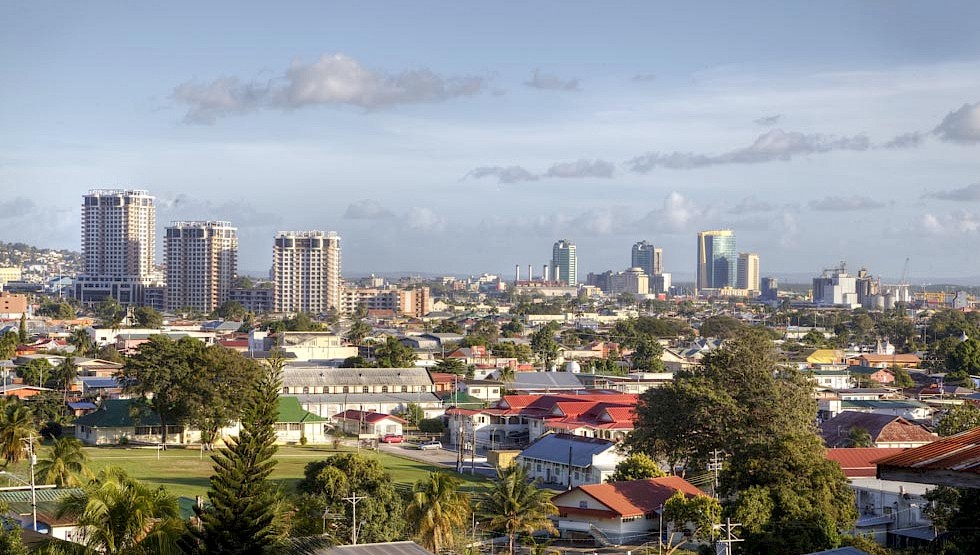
pixel 393 438
pixel 431 445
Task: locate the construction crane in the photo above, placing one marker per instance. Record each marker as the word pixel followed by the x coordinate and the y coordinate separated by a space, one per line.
pixel 905 272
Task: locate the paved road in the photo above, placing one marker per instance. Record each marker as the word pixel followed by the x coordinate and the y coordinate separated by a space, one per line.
pixel 437 457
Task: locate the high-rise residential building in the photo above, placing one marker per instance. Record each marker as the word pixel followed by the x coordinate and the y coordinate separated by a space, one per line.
pixel 118 245
pixel 717 260
pixel 563 264
pixel 306 271
pixel 748 271
pixel 648 258
pixel 770 289
pixel 202 262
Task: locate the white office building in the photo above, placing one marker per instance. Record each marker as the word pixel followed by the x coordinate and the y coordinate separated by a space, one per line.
pixel 202 262
pixel 306 271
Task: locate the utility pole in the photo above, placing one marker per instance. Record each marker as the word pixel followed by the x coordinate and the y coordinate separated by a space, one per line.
pixel 459 448
pixel 714 466
pixel 33 459
pixel 353 500
pixel 727 529
pixel 472 447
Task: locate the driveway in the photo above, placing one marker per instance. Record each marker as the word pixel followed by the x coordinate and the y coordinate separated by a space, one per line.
pixel 437 457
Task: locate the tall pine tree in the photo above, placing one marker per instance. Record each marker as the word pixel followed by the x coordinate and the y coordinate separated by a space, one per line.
pixel 241 517
pixel 22 332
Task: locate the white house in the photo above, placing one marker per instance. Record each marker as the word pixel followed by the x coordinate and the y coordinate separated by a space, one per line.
pixel 617 512
pixel 365 422
pixel 562 459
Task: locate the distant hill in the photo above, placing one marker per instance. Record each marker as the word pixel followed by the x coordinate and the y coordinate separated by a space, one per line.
pixel 22 254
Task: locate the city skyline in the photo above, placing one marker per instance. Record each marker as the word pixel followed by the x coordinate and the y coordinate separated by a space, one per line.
pixel 851 132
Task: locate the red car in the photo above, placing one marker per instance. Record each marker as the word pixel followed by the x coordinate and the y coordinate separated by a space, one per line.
pixel 392 438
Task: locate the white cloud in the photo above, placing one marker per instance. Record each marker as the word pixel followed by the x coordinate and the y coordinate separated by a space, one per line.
pixel 906 140
pixel 769 121
pixel 961 126
pixel 770 146
pixel 842 204
pixel 334 79
pixel 367 209
pixel 957 222
pixel 551 82
pixel 970 193
pixel 504 174
pixel 581 168
pixel 424 219
pixel 752 204
pixel 644 78
pixel 676 215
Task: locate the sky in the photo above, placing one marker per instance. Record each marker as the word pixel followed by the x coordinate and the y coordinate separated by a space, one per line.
pixel 465 137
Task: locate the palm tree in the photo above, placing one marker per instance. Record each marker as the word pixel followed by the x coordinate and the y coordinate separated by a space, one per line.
pixel 516 505
pixel 437 510
pixel 121 515
pixel 82 341
pixel 66 372
pixel 507 375
pixel 16 424
pixel 65 462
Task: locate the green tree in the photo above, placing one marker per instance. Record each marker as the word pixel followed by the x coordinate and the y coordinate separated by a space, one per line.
pixel 82 341
pixel 65 464
pixel 382 511
pixel 356 362
pixel 65 375
pixel 8 345
pixel 954 511
pixel 22 329
pixel 959 418
pixel 163 371
pixel 647 355
pixel 124 516
pixel 447 326
pixel 964 360
pixel 16 424
pixel 110 313
pixel 37 371
pixel 414 414
pixel 814 338
pixel 222 385
pixel 147 317
pixel 689 518
pixel 451 366
pixel 744 400
pixel 515 504
pixel 231 310
pixel 10 539
pixel 507 376
pixel 514 328
pixel 544 346
pixel 437 511
pixel 721 327
pixel 902 377
pixel 859 437
pixel 394 354
pixel 637 466
pixel 358 331
pixel 241 518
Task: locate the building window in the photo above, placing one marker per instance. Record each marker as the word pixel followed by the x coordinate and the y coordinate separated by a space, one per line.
pixel 404 389
pixel 306 390
pixel 384 389
pixel 285 390
pixel 583 504
pixel 346 389
pixel 365 389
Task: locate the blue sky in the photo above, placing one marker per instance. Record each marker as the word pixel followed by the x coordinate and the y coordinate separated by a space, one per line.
pixel 467 137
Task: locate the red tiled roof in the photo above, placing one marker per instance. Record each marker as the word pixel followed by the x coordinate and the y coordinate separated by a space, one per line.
pixel 959 453
pixel 635 497
pixel 910 357
pixel 859 462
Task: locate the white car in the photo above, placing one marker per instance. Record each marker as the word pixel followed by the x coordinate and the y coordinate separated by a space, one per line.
pixel 431 445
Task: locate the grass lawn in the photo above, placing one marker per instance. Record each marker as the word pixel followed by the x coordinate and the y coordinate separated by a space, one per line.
pixel 184 473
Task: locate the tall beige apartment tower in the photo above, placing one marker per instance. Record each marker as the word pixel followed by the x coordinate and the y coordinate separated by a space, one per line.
pixel 306 271
pixel 202 262
pixel 748 271
pixel 118 245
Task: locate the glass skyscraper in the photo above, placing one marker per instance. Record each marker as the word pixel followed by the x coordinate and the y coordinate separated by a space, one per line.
pixel 717 260
pixel 563 263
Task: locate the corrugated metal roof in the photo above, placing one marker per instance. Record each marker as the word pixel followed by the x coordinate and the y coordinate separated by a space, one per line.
pixel 635 497
pixel 299 376
pixel 860 461
pixel 960 453
pixel 390 548
pixel 554 448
